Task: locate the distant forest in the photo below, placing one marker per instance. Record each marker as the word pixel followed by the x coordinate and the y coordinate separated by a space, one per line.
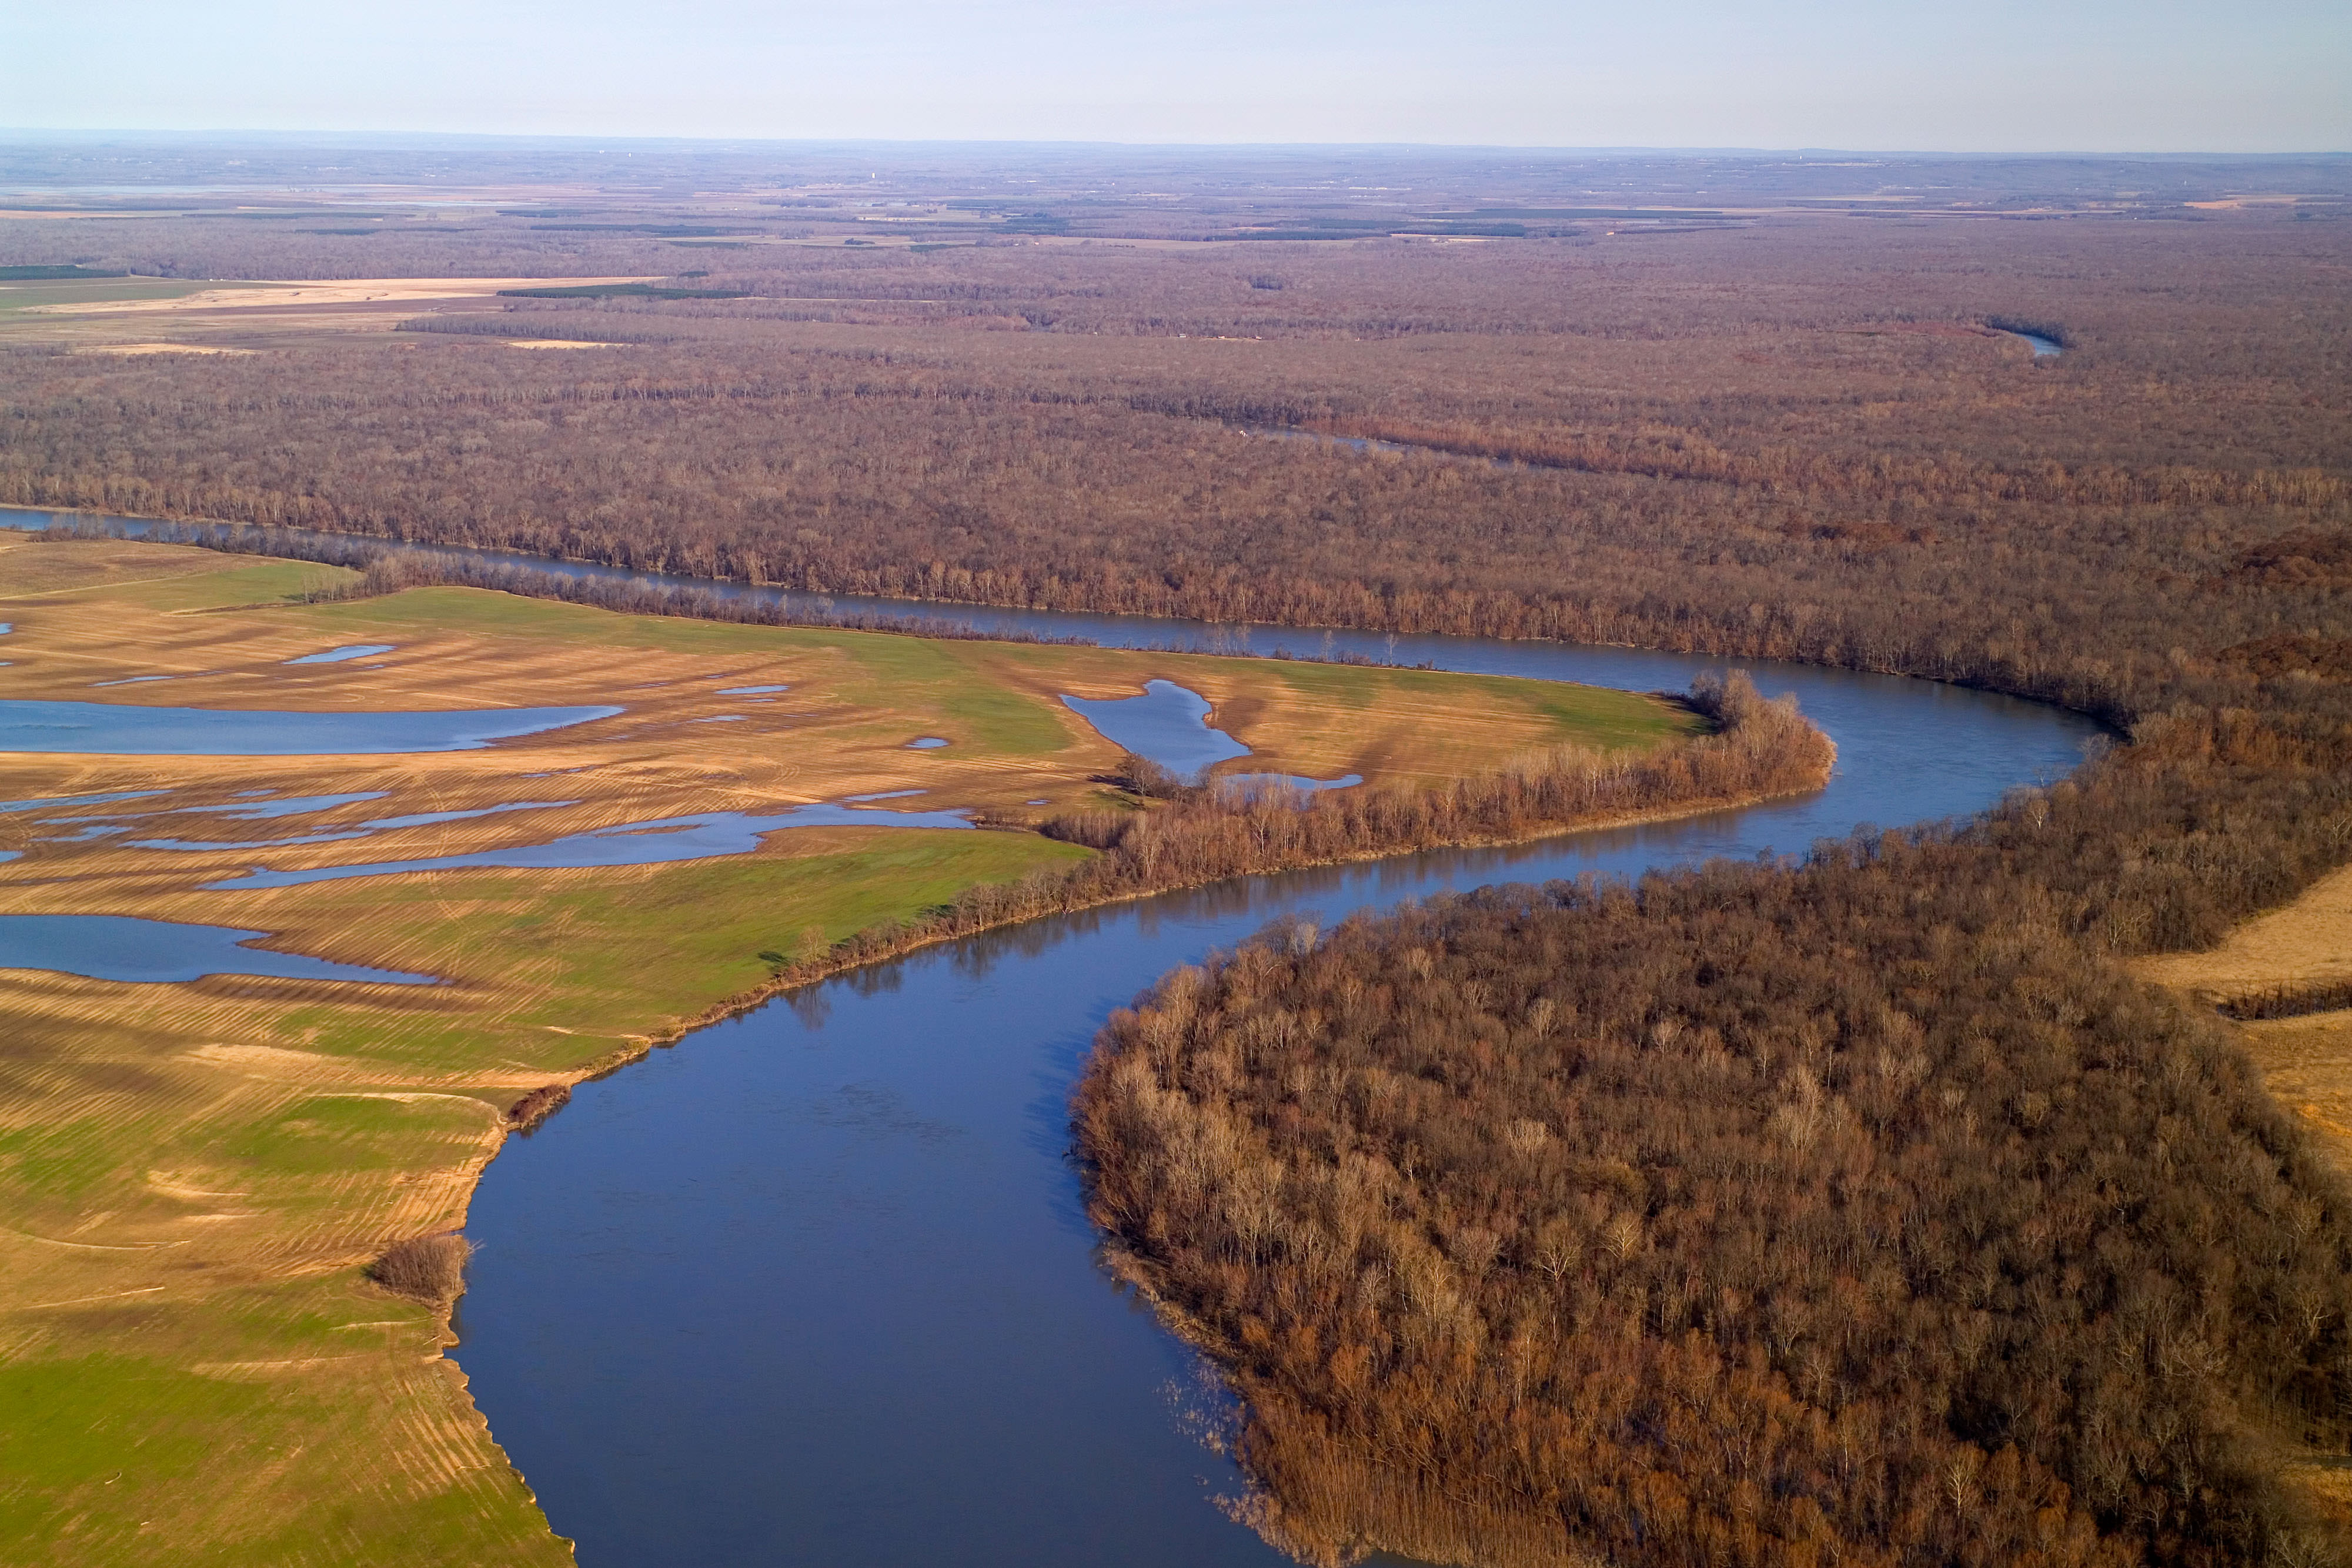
pixel 1794 441
pixel 1855 1211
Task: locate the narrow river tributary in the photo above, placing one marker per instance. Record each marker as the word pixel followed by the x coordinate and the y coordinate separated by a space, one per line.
pixel 815 1287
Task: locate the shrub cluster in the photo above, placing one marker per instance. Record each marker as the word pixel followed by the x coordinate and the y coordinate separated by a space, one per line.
pixel 428 1269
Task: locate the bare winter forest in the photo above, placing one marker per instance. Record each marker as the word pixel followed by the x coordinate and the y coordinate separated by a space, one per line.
pixel 1860 1211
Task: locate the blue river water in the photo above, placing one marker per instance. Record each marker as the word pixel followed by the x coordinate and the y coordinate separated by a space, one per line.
pixel 815 1287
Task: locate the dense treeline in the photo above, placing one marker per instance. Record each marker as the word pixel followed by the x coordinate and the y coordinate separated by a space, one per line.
pixel 1778 442
pixel 1760 749
pixel 1890 478
pixel 1752 1214
pixel 2291 1001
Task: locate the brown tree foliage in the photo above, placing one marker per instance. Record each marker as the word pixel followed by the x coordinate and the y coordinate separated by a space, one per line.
pixel 1760 749
pixel 1764 1215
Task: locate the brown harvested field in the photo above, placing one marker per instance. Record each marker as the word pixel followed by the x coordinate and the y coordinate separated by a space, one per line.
pixel 2306 943
pixel 160 348
pixel 2306 1062
pixel 29 570
pixel 196 1173
pixel 372 291
pixel 122 317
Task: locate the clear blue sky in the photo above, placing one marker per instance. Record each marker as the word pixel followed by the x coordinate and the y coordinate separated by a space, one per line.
pixel 1960 75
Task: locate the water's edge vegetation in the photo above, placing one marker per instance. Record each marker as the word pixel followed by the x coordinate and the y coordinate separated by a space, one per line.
pixel 1761 750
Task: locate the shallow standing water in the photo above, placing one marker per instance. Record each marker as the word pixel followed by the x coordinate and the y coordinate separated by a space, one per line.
pixel 123 730
pixel 1169 723
pixel 815 1287
pixel 124 948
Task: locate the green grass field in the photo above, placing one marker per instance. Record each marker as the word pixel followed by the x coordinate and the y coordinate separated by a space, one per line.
pixel 1004 693
pixel 263 582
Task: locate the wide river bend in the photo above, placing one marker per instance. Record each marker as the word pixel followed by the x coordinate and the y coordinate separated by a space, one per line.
pixel 815 1286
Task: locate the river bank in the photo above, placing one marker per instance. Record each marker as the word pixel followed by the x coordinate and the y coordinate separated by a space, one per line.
pixel 881 945
pixel 901 1345
pixel 169 1264
pixel 1910 750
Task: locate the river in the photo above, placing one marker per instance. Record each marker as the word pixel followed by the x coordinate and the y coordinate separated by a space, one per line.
pixel 815 1286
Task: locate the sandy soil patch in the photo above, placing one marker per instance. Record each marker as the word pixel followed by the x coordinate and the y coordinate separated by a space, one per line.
pixel 160 348
pixel 2308 941
pixel 347 291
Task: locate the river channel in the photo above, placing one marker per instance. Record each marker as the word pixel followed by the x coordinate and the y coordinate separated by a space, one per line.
pixel 814 1286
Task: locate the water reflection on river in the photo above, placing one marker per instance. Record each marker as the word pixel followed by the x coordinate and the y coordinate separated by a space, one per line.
pixel 815 1286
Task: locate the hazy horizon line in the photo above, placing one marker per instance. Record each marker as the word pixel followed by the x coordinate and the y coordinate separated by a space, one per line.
pixel 394 137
